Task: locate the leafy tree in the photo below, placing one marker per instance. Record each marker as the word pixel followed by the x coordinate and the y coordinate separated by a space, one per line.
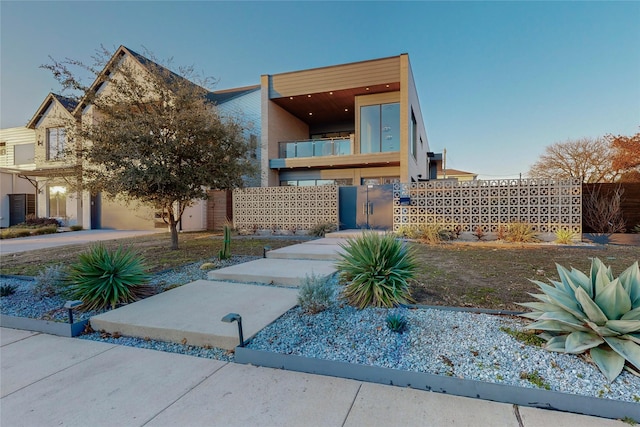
pixel 151 135
pixel 626 156
pixel 587 158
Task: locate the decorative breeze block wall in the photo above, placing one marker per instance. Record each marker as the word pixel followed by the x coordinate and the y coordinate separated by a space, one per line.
pixel 285 208
pixel 547 205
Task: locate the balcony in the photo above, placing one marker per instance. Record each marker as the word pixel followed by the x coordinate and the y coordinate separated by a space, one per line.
pixel 315 148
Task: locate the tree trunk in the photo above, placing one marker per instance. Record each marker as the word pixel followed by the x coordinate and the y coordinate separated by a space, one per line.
pixel 173 225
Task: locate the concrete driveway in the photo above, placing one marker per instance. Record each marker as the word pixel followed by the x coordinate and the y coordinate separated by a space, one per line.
pixel 23 244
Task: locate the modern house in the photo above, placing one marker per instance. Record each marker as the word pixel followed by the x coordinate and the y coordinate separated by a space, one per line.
pixel 350 124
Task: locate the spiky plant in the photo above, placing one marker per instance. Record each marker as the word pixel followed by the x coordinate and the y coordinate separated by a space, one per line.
pixel 103 278
pixel 377 269
pixel 594 313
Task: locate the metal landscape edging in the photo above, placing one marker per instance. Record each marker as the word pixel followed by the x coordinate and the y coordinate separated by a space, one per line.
pixel 536 398
pixel 45 326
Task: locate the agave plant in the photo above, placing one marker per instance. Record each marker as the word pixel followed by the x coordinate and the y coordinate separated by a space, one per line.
pixel 377 269
pixel 594 313
pixel 104 278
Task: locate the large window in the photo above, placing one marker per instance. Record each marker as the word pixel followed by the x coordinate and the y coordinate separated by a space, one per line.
pixel 56 141
pixel 380 128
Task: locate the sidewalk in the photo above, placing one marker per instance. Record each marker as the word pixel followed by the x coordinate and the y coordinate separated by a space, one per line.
pixel 23 244
pixel 47 381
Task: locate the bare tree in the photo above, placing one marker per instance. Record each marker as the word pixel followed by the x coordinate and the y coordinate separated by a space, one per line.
pixel 602 211
pixel 587 158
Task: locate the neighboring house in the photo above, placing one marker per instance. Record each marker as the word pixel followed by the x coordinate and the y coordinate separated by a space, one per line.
pixel 52 170
pixel 455 174
pixel 17 157
pixel 350 124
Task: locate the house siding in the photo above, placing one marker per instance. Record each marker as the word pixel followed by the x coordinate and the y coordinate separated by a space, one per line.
pixel 337 77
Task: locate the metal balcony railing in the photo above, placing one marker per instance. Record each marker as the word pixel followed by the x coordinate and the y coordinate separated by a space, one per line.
pixel 315 148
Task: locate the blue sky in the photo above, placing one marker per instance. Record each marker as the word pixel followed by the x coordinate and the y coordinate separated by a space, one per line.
pixel 497 81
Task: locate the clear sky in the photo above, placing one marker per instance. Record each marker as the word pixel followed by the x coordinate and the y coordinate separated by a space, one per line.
pixel 497 81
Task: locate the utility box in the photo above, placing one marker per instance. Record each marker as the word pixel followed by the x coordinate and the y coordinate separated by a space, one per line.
pixel 21 205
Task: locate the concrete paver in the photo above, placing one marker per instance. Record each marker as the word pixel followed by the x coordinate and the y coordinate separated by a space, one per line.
pixel 534 417
pixel 123 386
pixel 8 336
pixel 27 361
pixel 315 249
pixel 241 395
pixel 194 312
pixel 382 405
pixel 284 272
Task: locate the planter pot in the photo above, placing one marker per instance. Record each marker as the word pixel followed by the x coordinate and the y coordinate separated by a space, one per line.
pixel 537 398
pixel 45 326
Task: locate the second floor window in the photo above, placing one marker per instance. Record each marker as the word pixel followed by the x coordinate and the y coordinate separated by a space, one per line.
pixel 380 128
pixel 56 143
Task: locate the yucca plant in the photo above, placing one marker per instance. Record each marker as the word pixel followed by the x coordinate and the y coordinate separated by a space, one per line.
pixel 520 232
pixel 103 278
pixel 396 322
pixel 594 313
pixel 377 269
pixel 564 237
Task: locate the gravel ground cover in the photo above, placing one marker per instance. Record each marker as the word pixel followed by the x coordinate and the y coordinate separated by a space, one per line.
pixel 441 342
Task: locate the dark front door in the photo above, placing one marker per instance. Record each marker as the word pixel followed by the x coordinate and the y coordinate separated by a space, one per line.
pixel 96 209
pixel 366 206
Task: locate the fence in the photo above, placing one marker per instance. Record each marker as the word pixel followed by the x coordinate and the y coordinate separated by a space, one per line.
pixel 547 205
pixel 629 201
pixel 285 208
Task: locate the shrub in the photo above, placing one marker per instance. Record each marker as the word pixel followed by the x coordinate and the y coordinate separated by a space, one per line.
pixel 49 229
pixel 6 290
pixel 316 293
pixel 76 227
pixel 501 233
pixel 322 228
pixel 32 220
pixel 594 313
pixel 426 233
pixel 396 322
pixel 377 269
pixel 602 211
pixel 50 280
pixel 520 232
pixel 636 229
pixel 564 237
pixel 479 233
pixel 103 278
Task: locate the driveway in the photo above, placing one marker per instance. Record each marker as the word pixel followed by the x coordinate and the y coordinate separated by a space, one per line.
pixel 23 244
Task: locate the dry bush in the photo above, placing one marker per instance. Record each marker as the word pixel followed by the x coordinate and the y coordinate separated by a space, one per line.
pixel 602 211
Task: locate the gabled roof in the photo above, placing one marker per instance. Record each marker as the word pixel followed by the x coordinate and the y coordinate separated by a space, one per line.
pixel 67 103
pixel 221 96
pixel 217 97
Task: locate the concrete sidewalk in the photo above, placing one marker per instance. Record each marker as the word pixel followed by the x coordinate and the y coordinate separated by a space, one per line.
pixel 24 244
pixel 48 381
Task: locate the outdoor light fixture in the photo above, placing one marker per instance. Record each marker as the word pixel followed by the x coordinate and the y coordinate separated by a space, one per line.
pixel 235 317
pixel 265 250
pixel 70 305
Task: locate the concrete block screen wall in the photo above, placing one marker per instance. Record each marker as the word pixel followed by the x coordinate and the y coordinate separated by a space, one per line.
pixel 285 208
pixel 547 205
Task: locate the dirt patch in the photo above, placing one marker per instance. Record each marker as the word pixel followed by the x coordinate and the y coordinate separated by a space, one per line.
pixel 496 276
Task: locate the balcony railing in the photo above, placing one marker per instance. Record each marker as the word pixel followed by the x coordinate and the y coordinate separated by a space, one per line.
pixel 315 148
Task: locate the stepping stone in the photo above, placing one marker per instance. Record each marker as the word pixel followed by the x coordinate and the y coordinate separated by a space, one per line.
pixel 323 249
pixel 283 272
pixel 193 312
